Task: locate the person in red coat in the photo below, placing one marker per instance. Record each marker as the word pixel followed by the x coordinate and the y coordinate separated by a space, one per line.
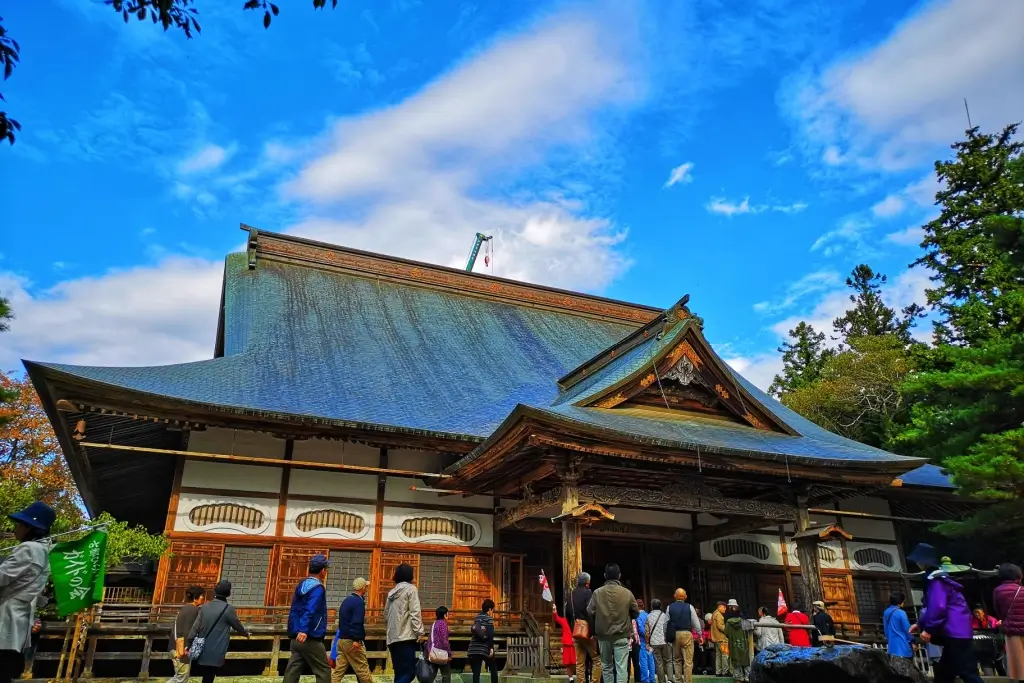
pixel 568 650
pixel 797 637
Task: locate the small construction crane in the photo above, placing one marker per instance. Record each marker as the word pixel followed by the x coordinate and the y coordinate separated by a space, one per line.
pixel 480 239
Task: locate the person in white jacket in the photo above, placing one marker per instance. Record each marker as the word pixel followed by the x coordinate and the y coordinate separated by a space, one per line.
pixel 769 634
pixel 23 576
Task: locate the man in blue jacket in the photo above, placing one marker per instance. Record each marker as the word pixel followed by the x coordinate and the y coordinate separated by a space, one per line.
pixel 348 649
pixel 307 625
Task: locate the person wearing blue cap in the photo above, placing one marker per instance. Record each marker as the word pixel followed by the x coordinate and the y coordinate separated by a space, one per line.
pixel 23 576
pixel 307 625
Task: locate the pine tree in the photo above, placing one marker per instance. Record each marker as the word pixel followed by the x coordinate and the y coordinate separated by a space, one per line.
pixel 870 316
pixel 968 397
pixel 984 182
pixel 802 359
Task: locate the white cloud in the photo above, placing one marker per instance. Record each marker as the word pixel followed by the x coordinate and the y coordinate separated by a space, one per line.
pixel 680 174
pixel 909 237
pixel 759 369
pixel 147 315
pixel 207 158
pixel 849 230
pixel 428 173
pixel 893 205
pixel 809 284
pixel 901 102
pixel 724 207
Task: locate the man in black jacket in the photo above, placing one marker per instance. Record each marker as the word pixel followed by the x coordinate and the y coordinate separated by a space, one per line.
pixel 577 605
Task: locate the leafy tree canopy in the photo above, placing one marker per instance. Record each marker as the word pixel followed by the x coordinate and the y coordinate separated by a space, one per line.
pixel 870 316
pixel 182 15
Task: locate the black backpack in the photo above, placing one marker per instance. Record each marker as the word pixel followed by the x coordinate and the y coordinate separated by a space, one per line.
pixel 479 630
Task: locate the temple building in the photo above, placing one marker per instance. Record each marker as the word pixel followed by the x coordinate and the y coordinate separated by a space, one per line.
pixel 483 430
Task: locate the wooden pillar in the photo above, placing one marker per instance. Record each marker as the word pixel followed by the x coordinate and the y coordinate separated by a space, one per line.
pixel 572 539
pixel 807 553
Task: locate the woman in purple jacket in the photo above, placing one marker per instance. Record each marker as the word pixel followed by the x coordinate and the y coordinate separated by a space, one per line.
pixel 1008 606
pixel 945 620
pixel 439 641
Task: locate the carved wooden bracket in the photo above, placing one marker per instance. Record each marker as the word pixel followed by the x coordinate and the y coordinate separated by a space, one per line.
pixel 586 514
pixel 527 507
pixel 821 534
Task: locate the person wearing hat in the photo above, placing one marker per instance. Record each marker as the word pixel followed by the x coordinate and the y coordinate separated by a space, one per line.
pixel 719 639
pixel 739 645
pixel 945 619
pixel 822 621
pixel 348 648
pixel 214 624
pixel 23 576
pixel 307 625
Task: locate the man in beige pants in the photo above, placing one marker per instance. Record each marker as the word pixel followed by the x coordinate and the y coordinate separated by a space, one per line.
pixel 348 649
pixel 683 619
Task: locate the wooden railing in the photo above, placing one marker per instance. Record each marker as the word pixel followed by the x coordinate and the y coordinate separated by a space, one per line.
pixel 141 633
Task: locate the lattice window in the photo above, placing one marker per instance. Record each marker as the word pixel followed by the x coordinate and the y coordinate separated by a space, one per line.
pixel 346 565
pixel 388 562
pixel 873 597
pixel 876 556
pixel 727 547
pixel 472 581
pixel 434 527
pixel 799 598
pixel 827 554
pixel 436 581
pixel 314 520
pixel 246 568
pixel 191 564
pixel 744 589
pixel 227 513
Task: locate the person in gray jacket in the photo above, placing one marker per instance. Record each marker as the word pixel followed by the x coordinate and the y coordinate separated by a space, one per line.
pixel 404 624
pixel 215 622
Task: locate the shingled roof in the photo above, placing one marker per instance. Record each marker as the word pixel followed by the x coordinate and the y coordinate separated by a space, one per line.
pixel 316 331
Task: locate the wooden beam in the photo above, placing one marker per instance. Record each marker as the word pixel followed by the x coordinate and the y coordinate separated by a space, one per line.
pixel 530 506
pixel 807 554
pixel 271 462
pixel 646 532
pixel 687 497
pixel 542 472
pixel 870 515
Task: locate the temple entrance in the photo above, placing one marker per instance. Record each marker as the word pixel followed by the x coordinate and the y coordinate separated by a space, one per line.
pixel 599 552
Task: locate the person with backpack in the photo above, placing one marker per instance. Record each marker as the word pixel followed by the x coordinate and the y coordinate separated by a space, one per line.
pixel 945 620
pixel 481 647
pixel 654 634
pixel 683 622
pixel 209 636
pixel 582 626
pixel 307 625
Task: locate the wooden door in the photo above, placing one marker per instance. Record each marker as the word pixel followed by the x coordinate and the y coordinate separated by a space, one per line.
pixel 768 586
pixel 292 567
pixel 472 582
pixel 191 564
pixel 509 570
pixel 838 592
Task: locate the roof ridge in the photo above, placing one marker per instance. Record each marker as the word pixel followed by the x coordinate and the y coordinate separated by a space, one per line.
pixel 311 253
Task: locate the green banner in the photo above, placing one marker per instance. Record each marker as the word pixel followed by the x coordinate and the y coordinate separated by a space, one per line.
pixel 78 569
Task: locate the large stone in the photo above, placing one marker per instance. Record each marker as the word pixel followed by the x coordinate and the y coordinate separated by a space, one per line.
pixel 839 664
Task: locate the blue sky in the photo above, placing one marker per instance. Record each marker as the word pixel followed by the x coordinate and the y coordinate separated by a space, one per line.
pixel 748 152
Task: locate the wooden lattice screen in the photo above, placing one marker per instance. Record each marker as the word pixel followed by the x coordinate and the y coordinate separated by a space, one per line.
pixel 472 581
pixel 191 564
pixel 292 567
pixel 388 563
pixel 838 589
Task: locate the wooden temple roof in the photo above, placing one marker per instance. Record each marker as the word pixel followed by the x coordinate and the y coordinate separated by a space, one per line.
pixel 342 342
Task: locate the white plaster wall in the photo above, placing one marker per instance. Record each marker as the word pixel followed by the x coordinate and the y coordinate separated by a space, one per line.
pixel 231 476
pixel 852 547
pixel 868 528
pixel 188 501
pixel 774 545
pixel 397 490
pixel 394 517
pixel 835 545
pixel 297 507
pixel 236 442
pixel 337 452
pixel 676 520
pixel 333 484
